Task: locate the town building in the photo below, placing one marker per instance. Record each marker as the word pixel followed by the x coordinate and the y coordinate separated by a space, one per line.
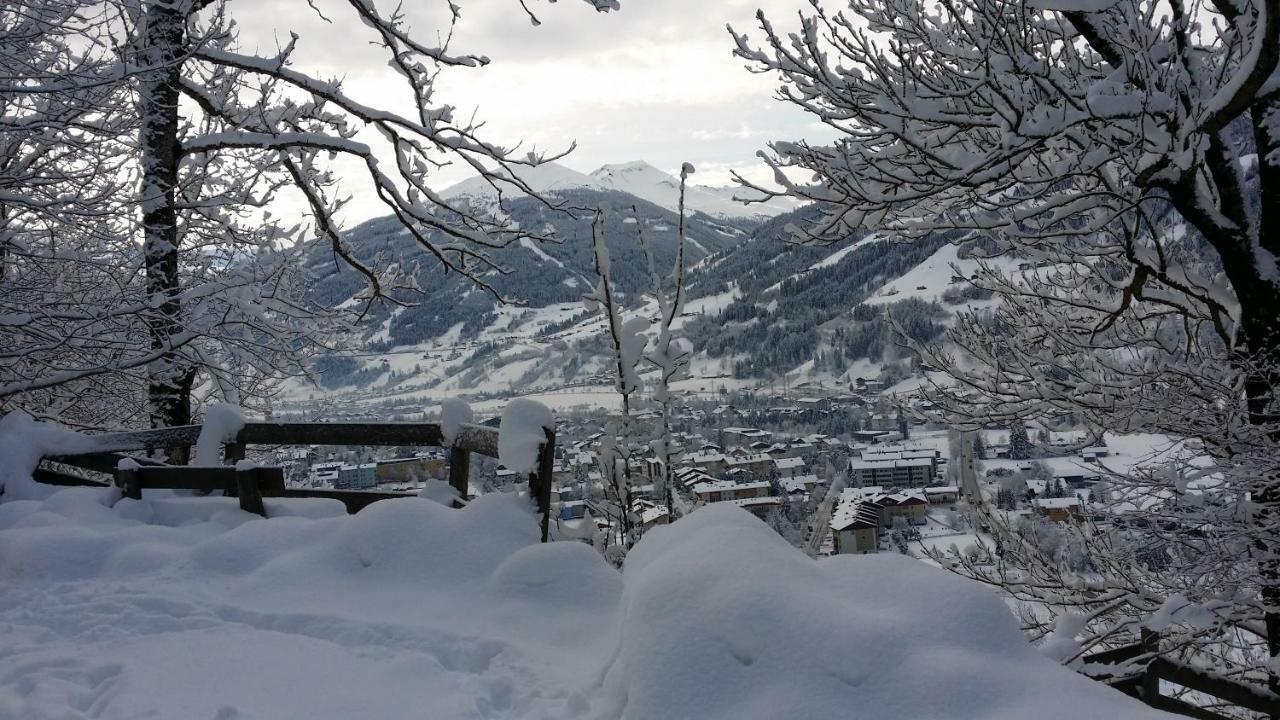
pixel 942 495
pixel 913 472
pixel 357 477
pixel 1059 510
pixel 414 469
pixel 758 506
pixel 758 465
pixel 723 490
pixel 798 485
pixel 911 506
pixel 708 462
pixel 789 466
pixel 743 436
pixel 855 529
pixel 1091 454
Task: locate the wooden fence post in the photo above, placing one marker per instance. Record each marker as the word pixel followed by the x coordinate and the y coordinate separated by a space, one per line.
pixel 1149 685
pixel 250 492
pixel 540 482
pixel 232 453
pixel 127 479
pixel 459 472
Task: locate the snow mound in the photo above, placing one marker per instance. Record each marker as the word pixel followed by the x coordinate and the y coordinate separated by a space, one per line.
pixel 454 413
pixel 190 608
pixel 23 441
pixel 522 432
pixel 222 422
pixel 724 619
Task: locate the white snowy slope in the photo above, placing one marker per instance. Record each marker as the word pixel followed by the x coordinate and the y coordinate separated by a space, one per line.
pixel 173 607
pixel 545 178
pixel 931 278
pixel 636 178
pixel 649 183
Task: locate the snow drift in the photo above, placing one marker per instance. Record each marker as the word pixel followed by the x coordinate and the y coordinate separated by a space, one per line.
pixel 187 607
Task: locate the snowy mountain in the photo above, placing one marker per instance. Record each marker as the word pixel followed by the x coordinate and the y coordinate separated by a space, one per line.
pixel 545 178
pixel 452 336
pixel 639 179
pixel 646 181
pixel 760 309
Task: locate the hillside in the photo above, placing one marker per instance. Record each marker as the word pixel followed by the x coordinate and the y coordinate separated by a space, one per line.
pixel 760 308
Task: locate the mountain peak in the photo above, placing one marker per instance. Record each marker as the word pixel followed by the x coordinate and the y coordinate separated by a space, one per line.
pixel 637 178
pixel 627 168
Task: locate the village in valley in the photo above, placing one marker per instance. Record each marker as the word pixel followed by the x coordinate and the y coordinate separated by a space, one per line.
pixel 903 483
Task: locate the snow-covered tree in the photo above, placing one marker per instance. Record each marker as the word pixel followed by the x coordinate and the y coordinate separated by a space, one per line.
pixel 626 343
pixel 1124 153
pixel 247 126
pixel 61 178
pixel 183 144
pixel 668 354
pixel 1019 442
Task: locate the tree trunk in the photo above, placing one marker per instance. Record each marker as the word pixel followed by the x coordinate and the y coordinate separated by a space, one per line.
pixel 1259 354
pixel 1257 339
pixel 169 379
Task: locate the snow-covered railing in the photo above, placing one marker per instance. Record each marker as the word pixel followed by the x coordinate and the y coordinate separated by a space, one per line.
pixel 107 450
pixel 1138 670
pixel 250 483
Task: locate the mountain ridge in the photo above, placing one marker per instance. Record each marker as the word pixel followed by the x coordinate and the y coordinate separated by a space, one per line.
pixel 637 177
pixel 759 308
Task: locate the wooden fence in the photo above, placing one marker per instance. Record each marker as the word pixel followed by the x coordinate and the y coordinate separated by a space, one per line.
pixel 1139 669
pixel 252 484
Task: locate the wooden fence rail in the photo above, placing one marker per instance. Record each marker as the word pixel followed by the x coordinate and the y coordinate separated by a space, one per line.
pixel 110 448
pixel 1139 670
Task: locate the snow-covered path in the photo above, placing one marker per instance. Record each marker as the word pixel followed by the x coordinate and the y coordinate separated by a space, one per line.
pixel 221 618
pixel 189 608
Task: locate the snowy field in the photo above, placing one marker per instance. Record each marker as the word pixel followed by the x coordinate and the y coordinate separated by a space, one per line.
pixel 189 608
pixel 931 278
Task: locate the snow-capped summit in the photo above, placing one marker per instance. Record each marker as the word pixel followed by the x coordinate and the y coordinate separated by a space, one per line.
pixel 637 174
pixel 636 178
pixel 645 181
pixel 545 178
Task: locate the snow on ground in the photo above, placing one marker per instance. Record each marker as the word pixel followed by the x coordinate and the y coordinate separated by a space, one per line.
pixel 939 440
pixel 189 608
pixel 663 189
pixel 542 254
pixel 712 305
pixel 835 257
pixel 944 542
pixel 1124 454
pixel 914 384
pixel 931 278
pixel 585 398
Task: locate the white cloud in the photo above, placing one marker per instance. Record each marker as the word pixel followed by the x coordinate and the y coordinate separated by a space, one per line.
pixel 656 81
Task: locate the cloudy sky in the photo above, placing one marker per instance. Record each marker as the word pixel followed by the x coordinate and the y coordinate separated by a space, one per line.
pixel 654 82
